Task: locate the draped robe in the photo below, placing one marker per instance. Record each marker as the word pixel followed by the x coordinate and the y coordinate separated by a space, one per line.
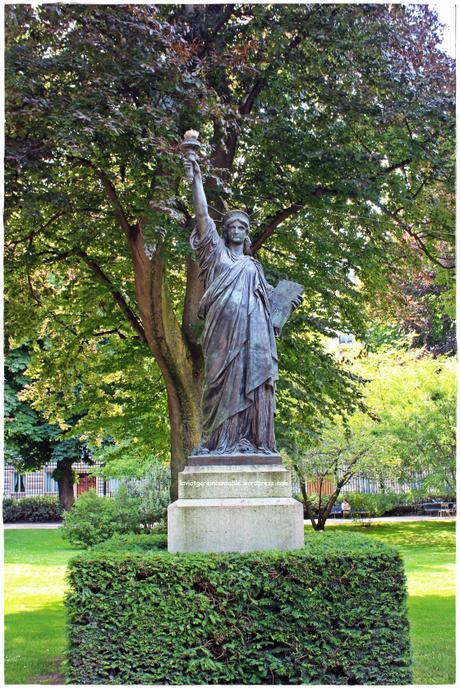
pixel 241 364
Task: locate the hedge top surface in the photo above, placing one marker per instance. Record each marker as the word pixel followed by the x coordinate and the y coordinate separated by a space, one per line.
pixel 317 545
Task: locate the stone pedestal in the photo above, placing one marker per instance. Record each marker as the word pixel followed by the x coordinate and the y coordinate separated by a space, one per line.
pixel 235 508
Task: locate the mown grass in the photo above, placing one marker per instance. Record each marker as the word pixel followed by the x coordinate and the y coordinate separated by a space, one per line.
pixel 35 638
pixel 35 563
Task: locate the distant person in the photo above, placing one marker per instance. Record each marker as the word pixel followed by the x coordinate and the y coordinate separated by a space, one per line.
pixel 346 509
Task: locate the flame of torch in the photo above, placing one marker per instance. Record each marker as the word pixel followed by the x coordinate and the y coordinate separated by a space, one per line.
pixel 190 146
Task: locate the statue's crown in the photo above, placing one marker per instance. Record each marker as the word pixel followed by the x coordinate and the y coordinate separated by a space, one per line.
pixel 236 213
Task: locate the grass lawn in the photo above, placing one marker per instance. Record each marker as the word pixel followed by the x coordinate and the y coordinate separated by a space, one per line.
pixel 35 562
pixel 428 551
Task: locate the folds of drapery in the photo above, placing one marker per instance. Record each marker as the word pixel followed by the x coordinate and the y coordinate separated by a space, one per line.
pixel 239 348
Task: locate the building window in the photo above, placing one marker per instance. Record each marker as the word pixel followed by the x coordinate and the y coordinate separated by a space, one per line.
pixel 18 483
pixel 50 484
pixel 346 339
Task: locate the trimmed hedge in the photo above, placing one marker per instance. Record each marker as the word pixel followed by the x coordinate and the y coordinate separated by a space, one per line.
pixel 333 612
pixel 133 543
pixel 32 509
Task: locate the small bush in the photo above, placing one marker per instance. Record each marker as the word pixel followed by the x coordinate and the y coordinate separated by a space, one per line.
pixel 375 504
pixel 93 519
pixel 32 509
pixel 333 612
pixel 153 494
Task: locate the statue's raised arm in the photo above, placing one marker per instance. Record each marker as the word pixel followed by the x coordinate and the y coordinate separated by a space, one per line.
pixel 199 198
pixel 190 147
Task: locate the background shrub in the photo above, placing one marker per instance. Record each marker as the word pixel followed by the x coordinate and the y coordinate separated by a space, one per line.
pixel 152 491
pixel 32 509
pixel 93 519
pixel 375 504
pixel 333 612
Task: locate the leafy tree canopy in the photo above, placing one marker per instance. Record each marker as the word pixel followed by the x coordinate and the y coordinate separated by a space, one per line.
pixel 31 441
pixel 407 431
pixel 116 392
pixel 413 397
pixel 332 125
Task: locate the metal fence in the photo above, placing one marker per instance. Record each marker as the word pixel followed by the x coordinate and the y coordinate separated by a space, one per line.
pixel 362 484
pixel 40 483
pixel 37 483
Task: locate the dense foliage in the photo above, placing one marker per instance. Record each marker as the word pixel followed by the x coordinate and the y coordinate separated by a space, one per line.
pixel 152 493
pixel 135 508
pixel 406 432
pixel 378 504
pixel 28 437
pixel 414 398
pixel 144 543
pixel 93 519
pixel 30 440
pixel 333 612
pixel 32 509
pixel 97 217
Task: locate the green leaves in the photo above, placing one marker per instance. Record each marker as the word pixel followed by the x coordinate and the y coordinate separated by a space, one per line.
pixel 30 441
pixel 342 115
pixel 405 431
pixel 333 611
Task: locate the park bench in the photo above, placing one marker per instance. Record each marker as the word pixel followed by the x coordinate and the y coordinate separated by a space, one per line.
pixel 336 512
pixel 362 516
pixel 448 509
pixel 438 509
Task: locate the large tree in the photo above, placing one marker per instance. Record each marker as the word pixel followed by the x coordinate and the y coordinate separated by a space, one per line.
pixel 332 125
pixel 30 441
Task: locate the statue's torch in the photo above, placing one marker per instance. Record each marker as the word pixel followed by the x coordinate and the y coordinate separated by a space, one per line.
pixel 190 146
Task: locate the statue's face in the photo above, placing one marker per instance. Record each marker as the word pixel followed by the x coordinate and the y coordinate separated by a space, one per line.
pixel 237 231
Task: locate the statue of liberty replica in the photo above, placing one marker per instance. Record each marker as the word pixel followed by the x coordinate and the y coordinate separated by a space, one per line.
pixel 236 460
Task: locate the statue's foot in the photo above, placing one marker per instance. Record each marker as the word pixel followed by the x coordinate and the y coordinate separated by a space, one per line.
pixel 199 450
pixel 265 450
pixel 244 446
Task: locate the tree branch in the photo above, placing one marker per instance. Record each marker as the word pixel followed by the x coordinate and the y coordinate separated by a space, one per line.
pixel 421 245
pixel 103 333
pixel 248 101
pixel 54 218
pixel 397 166
pixel 34 232
pixel 110 190
pixel 273 223
pixel 226 14
pixel 121 302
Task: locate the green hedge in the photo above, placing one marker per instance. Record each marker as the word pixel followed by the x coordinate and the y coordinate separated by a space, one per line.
pixel 133 543
pixel 333 612
pixel 375 504
pixel 32 509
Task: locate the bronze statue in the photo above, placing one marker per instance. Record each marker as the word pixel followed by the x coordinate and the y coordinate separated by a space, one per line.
pixel 241 363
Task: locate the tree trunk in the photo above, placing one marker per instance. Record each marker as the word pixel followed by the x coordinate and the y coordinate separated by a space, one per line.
pixel 173 346
pixel 306 501
pixel 65 480
pixel 324 513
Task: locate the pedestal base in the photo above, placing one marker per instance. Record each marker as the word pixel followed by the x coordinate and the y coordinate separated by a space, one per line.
pixel 235 525
pixel 234 509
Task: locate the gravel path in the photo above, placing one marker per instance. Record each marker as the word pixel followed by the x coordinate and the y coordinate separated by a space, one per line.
pixel 25 526
pixel 386 519
pixel 330 521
